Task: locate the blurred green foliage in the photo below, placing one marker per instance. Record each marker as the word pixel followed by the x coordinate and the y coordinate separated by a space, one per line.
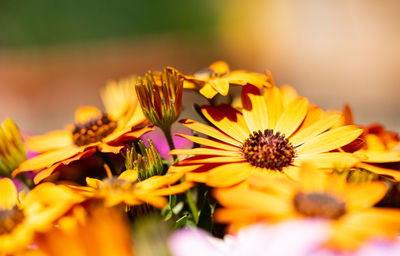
pixel 42 23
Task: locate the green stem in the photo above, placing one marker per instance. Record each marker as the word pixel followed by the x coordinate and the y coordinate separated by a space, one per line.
pixel 192 206
pixel 168 135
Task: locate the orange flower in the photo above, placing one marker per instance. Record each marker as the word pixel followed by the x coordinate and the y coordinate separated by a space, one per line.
pixel 272 135
pixel 93 130
pixel 376 149
pixel 348 208
pixel 217 78
pixel 104 232
pixel 127 190
pixel 20 219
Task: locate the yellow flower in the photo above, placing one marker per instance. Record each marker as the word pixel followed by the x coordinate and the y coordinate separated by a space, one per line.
pixel 104 232
pixel 348 208
pixel 272 135
pixel 217 78
pixel 376 148
pixel 37 212
pixel 93 130
pixel 128 190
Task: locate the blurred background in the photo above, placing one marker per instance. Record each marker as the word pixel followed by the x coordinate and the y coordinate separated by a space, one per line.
pixel 55 55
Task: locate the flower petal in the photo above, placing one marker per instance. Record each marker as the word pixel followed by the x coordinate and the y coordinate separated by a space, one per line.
pixel 330 140
pixel 274 102
pixel 329 160
pixel 208 142
pixel 210 131
pixel 86 113
pixel 49 141
pixel 254 109
pixel 365 194
pixel 230 121
pixel 292 117
pixel 227 175
pixel 9 195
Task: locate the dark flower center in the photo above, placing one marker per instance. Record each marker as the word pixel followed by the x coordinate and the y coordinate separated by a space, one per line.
pixel 268 150
pixel 319 205
pixel 9 219
pixel 93 130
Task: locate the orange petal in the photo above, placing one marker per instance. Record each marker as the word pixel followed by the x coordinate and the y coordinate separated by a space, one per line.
pixel 43 174
pixel 210 131
pixel 365 194
pixel 254 109
pixel 208 91
pixel 240 77
pixel 227 175
pixel 292 117
pixel 107 148
pixel 9 195
pixel 314 114
pixel 228 122
pixel 212 159
pixel 200 177
pixel 172 190
pixel 86 113
pixel 379 156
pixel 155 182
pixel 208 142
pixel 394 174
pixel 93 183
pixel 49 141
pixel 330 140
pixel 312 179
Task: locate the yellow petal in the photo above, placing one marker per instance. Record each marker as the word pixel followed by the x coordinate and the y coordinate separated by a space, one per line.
pixel 50 141
pixel 289 94
pixel 93 183
pixel 365 194
pixel 8 192
pixel 292 117
pixel 86 113
pixel 208 142
pixel 129 175
pixel 330 140
pixel 221 85
pixel 254 109
pixel 274 102
pixel 313 130
pixel 230 121
pixel 311 179
pixel 204 151
pixel 390 173
pixel 379 156
pixel 208 91
pixel 219 67
pixel 329 160
pixel 210 131
pixel 228 174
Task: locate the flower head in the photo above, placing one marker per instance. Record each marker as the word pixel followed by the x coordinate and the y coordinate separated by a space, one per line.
pixel 272 135
pixel 127 189
pixel 348 207
pixel 160 95
pixel 217 78
pixel 93 130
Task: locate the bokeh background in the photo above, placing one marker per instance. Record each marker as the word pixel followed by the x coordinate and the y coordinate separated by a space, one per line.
pixel 55 55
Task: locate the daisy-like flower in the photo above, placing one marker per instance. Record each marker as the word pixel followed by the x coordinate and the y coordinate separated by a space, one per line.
pixel 271 136
pixel 348 207
pixel 217 78
pixel 104 232
pixel 93 130
pixel 377 149
pixel 19 220
pixel 126 189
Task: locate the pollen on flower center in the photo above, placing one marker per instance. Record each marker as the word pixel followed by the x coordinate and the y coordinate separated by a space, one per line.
pixel 94 130
pixel 9 219
pixel 268 150
pixel 319 205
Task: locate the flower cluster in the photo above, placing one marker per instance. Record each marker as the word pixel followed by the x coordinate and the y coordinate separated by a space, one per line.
pixel 267 170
